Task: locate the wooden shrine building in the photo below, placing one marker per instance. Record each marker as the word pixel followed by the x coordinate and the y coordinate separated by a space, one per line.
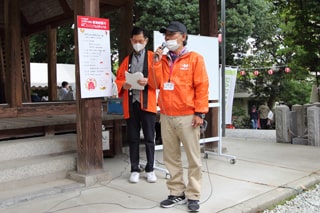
pixel 19 116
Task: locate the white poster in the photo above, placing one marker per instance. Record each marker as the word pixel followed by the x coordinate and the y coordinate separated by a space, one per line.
pixel 230 82
pixel 94 57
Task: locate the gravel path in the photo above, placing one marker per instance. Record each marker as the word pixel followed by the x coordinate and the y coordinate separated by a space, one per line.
pixel 306 202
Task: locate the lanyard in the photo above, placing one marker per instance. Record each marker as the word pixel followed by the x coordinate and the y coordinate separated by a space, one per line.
pixel 172 62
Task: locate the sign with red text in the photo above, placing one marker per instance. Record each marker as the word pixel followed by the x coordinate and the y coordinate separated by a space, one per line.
pixel 94 57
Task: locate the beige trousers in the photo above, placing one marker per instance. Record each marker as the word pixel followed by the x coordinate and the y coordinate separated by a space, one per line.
pixel 176 130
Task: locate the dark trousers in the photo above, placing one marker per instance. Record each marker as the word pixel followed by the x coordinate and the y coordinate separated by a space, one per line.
pixel 263 123
pixel 146 120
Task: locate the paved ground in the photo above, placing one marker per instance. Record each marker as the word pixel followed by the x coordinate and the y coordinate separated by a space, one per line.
pixel 265 173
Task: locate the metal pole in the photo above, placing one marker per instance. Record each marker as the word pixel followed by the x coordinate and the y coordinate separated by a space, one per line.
pixel 223 65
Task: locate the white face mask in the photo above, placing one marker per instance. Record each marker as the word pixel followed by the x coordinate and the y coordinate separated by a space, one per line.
pixel 172 45
pixel 138 47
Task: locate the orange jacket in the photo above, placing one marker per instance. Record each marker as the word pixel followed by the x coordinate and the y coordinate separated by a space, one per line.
pixel 151 94
pixel 191 85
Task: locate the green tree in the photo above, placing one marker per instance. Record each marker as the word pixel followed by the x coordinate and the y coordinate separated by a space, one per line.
pixel 152 15
pixel 278 49
pixel 38 50
pixel 301 32
pixel 65 46
pixel 245 19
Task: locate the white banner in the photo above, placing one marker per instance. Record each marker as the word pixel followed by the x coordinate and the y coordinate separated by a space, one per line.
pixel 230 82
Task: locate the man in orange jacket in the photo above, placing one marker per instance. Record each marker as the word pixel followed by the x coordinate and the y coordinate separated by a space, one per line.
pixel 139 106
pixel 183 100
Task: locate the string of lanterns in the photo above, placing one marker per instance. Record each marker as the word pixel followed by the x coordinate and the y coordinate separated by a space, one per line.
pixel 270 70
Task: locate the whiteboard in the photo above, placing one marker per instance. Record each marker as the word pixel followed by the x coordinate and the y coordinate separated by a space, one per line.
pixel 208 47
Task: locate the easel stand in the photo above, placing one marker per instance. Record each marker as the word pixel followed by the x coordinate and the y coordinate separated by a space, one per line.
pixel 217 139
pixel 219 153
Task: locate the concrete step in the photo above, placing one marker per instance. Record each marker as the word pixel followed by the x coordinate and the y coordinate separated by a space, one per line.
pixel 34 170
pixel 18 195
pixel 37 146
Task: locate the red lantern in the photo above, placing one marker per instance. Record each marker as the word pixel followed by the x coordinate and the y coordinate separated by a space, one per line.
pixel 256 72
pixel 287 70
pixel 270 72
pixel 242 72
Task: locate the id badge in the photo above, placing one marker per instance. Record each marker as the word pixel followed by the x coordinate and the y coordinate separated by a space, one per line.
pixel 168 86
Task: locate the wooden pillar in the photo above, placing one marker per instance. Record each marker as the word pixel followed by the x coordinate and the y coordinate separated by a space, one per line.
pixel 2 71
pixel 126 24
pixel 89 116
pixel 27 78
pixel 208 18
pixel 13 53
pixel 209 27
pixel 52 62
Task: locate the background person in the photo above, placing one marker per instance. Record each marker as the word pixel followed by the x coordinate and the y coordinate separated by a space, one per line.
pixel 63 90
pixel 263 115
pixel 254 116
pixel 139 106
pixel 183 99
pixel 270 119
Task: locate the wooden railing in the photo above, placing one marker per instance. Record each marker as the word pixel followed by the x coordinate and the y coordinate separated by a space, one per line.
pixel 50 118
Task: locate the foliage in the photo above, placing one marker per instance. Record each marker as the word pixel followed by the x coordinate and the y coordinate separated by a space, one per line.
pixel 277 50
pixel 152 15
pixel 244 19
pixel 65 46
pixel 240 118
pixel 38 50
pixel 114 19
pixel 296 92
pixel 301 30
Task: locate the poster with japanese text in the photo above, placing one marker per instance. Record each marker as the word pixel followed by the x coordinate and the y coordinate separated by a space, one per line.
pixel 94 57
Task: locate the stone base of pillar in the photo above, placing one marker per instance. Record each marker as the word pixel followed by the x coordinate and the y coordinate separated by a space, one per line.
pixel 300 141
pixel 91 179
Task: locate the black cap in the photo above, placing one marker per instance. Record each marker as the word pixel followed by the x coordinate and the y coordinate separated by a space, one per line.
pixel 174 26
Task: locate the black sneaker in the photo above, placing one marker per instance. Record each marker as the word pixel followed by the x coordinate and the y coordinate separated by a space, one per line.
pixel 172 201
pixel 193 205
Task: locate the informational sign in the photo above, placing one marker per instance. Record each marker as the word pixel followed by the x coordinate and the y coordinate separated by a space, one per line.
pixel 94 57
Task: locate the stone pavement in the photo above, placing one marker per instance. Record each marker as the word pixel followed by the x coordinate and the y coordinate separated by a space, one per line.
pixel 265 173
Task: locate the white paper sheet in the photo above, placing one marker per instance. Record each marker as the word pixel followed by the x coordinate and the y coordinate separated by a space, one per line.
pixel 132 78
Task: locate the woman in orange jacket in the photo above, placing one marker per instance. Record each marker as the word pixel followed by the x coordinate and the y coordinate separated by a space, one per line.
pixel 139 106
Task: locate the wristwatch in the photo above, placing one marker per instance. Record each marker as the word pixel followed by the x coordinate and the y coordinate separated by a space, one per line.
pixel 201 115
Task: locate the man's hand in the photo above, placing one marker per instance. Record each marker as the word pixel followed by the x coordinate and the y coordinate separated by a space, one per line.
pixel 143 82
pixel 158 54
pixel 126 86
pixel 196 121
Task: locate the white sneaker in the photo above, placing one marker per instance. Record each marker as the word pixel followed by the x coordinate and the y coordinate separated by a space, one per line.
pixel 151 177
pixel 134 177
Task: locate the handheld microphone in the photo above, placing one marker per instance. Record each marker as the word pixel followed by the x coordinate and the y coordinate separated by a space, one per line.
pixel 163 45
